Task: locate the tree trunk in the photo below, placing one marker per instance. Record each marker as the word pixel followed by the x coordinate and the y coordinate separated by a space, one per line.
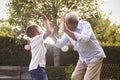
pixel 56 56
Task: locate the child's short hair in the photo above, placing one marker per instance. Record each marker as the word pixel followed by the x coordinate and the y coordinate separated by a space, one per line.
pixel 31 30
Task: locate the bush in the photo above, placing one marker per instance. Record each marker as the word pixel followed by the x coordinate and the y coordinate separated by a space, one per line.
pixel 15 55
pixel 68 72
pixel 112 54
pixel 56 73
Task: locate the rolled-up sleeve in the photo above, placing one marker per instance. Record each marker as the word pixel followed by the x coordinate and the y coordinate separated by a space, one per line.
pixel 85 35
pixel 63 41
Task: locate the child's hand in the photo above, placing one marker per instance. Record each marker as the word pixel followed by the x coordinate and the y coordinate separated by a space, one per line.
pixel 27 47
pixel 63 18
pixel 43 17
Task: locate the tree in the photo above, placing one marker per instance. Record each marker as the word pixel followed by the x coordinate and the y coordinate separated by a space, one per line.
pixel 106 33
pixel 111 35
pixel 21 15
pixel 5 29
pixel 26 11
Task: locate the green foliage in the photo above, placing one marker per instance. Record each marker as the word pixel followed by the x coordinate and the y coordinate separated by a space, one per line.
pixel 106 33
pixel 112 54
pixel 5 29
pixel 55 73
pixel 68 72
pixel 27 11
pixel 111 36
pixel 13 54
pixel 20 15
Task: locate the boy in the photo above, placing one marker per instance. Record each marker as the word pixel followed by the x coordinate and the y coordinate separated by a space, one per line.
pixel 38 50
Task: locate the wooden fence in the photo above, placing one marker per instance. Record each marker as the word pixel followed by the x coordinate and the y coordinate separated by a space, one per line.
pixel 14 73
pixel 108 72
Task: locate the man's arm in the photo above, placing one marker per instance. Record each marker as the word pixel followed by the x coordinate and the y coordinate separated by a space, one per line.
pixel 66 30
pixel 86 32
pixel 71 34
pixel 61 42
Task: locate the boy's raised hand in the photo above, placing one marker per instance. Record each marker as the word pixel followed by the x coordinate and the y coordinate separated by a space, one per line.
pixel 43 16
pixel 49 25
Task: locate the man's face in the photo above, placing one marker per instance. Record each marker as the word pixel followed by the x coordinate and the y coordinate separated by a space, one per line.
pixel 71 25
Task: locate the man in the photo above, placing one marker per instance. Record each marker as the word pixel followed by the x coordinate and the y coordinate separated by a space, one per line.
pixel 80 35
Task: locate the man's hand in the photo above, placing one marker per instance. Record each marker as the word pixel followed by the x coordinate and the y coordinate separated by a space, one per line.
pixel 64 27
pixel 51 27
pixel 63 24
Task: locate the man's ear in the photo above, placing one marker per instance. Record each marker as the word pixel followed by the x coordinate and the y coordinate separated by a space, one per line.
pixel 75 23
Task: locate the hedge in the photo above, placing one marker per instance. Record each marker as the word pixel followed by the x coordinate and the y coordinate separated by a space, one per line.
pixel 14 55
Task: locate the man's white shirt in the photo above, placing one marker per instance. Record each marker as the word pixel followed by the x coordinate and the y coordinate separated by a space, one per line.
pixel 87 45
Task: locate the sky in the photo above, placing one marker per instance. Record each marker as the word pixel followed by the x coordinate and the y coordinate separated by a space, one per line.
pixel 109 6
pixel 3 9
pixel 113 7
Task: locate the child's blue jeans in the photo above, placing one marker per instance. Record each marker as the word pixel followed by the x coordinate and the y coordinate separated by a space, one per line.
pixel 38 74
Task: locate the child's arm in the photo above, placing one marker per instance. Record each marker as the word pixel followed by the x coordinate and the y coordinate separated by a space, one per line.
pixel 47 25
pixel 53 33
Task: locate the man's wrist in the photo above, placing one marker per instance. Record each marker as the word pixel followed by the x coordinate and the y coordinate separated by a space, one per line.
pixel 66 30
